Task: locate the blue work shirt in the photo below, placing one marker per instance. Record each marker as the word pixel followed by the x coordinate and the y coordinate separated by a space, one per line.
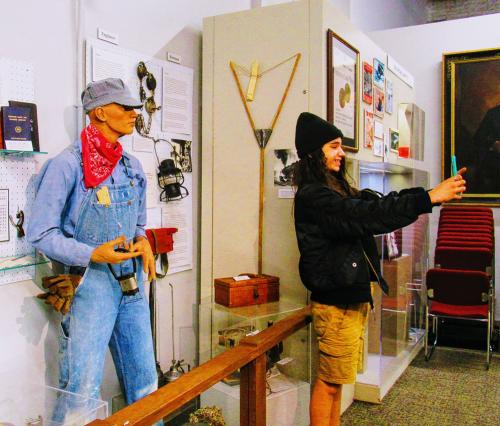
pixel 60 193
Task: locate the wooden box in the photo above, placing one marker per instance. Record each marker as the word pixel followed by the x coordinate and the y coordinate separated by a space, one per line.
pixel 375 321
pixel 397 274
pixel 394 332
pixel 256 290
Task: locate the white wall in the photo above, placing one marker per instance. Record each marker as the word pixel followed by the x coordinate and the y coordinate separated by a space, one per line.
pixel 419 49
pixel 44 33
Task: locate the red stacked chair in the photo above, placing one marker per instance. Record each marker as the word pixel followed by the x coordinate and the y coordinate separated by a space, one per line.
pixel 460 285
pixel 465 238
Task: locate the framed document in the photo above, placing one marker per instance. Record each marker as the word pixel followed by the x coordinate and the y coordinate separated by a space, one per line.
pixel 342 89
pixel 367 83
pixel 369 129
pixel 471 121
pixel 378 102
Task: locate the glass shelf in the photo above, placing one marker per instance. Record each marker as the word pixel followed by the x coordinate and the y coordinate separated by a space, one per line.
pixel 5 152
pixel 22 261
pixel 256 312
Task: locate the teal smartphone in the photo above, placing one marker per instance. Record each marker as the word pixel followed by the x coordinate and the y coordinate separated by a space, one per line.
pixel 454 170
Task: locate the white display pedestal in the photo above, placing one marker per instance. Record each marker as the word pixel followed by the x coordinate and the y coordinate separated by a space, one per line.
pixel 288 406
pixel 383 371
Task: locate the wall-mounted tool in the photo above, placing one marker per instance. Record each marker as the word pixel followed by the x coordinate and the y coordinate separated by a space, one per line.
pixel 149 101
pixel 19 223
pixel 177 367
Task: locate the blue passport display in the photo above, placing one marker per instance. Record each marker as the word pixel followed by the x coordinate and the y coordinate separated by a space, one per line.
pixel 16 128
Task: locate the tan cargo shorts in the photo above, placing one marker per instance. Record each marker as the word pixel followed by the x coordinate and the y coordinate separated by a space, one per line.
pixel 340 332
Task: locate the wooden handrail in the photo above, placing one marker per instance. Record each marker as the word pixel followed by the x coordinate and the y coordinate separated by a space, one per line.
pixel 249 355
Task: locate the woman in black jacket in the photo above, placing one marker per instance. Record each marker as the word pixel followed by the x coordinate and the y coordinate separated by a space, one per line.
pixel 335 224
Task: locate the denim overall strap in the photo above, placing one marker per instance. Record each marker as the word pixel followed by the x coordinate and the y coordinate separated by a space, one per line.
pixel 100 315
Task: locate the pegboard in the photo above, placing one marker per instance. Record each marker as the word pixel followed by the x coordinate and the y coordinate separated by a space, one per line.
pixel 17 174
pixel 17 81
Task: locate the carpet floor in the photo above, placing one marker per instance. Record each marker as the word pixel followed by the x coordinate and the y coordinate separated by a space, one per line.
pixel 453 388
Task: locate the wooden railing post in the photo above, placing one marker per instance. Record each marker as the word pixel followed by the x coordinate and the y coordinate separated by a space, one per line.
pixel 253 393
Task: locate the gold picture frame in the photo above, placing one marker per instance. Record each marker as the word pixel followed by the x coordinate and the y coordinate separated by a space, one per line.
pixel 343 89
pixel 471 113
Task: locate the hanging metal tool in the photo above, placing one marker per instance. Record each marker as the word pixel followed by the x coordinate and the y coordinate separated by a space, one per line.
pixel 152 312
pixel 176 369
pixel 19 224
pixel 261 135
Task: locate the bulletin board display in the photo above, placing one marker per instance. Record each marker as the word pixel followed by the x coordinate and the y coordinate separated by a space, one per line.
pixel 170 124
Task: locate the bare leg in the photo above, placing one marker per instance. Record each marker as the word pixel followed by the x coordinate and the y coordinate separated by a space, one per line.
pixel 324 409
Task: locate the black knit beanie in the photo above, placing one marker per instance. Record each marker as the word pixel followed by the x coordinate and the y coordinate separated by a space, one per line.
pixel 312 132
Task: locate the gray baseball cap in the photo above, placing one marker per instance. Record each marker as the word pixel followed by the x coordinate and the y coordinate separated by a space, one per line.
pixel 108 91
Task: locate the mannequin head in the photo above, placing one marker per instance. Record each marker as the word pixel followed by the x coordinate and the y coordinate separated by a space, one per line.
pixel 110 107
pixel 113 120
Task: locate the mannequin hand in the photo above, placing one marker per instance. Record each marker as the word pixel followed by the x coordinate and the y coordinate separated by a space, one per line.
pixel 449 189
pixel 141 244
pixel 106 253
pixel 61 291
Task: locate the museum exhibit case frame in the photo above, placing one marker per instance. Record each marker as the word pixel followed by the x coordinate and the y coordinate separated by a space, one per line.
pixel 230 161
pixel 287 367
pixel 396 326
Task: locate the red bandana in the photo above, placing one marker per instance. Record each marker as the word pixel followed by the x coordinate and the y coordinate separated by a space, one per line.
pixel 99 156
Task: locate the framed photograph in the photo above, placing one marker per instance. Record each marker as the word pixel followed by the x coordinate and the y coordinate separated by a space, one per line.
pixel 378 147
pixel 283 166
pixel 367 83
pixel 342 88
pixel 369 130
pixel 391 245
pixel 394 140
pixel 471 121
pixel 378 73
pixel 379 129
pixel 387 146
pixel 378 102
pixel 389 96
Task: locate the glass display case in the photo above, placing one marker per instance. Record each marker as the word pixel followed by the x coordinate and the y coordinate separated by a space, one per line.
pixel 411 126
pixel 33 404
pixel 395 328
pixel 288 364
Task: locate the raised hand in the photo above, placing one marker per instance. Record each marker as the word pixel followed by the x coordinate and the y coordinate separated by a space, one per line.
pixel 449 189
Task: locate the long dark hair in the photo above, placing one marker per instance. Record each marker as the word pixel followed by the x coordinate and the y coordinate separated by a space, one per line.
pixel 312 169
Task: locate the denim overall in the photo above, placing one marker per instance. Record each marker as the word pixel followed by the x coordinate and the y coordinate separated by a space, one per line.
pixel 100 315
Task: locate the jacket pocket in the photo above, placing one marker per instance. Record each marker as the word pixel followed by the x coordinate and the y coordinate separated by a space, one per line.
pixel 354 268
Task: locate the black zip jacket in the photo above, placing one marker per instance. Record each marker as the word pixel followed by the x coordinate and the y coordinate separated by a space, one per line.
pixel 338 254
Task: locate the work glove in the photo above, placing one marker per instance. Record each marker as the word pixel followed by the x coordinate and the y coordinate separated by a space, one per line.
pixel 60 291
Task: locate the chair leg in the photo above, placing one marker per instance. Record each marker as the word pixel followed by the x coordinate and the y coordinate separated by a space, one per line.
pixel 488 343
pixel 435 323
pixel 426 337
pixel 428 353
